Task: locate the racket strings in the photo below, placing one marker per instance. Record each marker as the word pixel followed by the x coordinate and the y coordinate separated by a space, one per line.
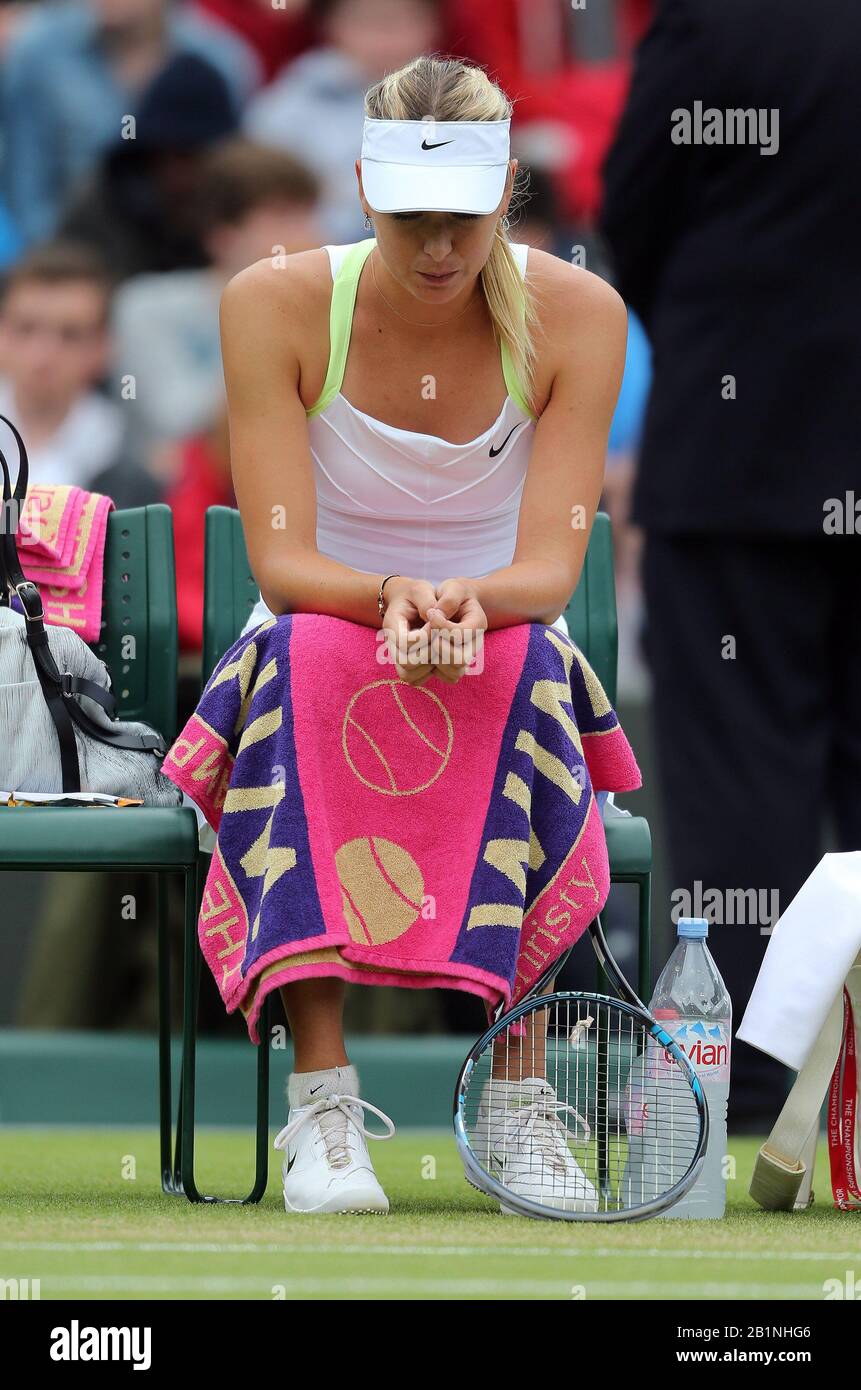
pixel 577 1107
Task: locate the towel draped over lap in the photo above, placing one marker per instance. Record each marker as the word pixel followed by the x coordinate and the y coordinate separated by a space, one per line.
pixel 422 836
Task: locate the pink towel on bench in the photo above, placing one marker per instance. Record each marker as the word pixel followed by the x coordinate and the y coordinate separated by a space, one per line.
pixel 61 545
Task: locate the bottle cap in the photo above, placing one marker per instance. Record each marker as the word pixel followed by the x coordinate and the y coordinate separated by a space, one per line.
pixel 693 928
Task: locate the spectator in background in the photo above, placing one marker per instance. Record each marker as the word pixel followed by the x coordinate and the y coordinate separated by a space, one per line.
pixel 204 480
pixel 565 68
pixel 53 350
pixel 277 31
pixel 743 265
pixel 540 221
pixel 315 107
pixel 140 211
pixel 250 202
pixel 623 450
pixel 11 244
pixel 71 74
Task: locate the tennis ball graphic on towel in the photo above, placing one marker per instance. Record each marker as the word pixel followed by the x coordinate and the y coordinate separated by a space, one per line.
pixel 397 738
pixel 381 887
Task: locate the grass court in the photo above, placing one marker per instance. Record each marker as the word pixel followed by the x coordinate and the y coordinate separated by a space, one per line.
pixel 83 1214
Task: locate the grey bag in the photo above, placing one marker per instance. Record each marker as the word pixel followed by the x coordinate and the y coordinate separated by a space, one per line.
pixel 29 748
pixel 49 740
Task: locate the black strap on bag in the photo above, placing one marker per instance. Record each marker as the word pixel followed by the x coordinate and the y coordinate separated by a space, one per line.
pixel 60 688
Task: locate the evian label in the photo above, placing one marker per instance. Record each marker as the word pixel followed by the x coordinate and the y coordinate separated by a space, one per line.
pixel 705 1044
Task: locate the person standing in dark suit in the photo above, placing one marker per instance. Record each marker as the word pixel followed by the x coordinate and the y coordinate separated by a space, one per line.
pixel 734 220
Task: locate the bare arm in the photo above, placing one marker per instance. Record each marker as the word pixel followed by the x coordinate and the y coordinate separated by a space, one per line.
pixel 586 330
pixel 263 313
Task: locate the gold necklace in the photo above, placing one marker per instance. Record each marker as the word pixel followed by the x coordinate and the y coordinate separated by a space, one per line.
pixel 412 322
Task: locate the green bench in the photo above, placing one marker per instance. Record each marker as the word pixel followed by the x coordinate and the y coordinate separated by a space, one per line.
pixel 139 603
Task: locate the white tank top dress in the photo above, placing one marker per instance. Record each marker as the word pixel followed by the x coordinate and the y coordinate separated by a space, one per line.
pixel 395 501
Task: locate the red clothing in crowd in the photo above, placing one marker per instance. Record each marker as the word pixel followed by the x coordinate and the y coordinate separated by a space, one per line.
pixel 526 45
pixel 275 35
pixel 201 484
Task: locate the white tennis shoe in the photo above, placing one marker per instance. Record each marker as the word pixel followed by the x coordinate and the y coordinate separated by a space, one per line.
pixel 327 1167
pixel 522 1141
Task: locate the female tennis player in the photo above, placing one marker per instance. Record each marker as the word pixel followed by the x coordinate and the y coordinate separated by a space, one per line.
pixel 351 371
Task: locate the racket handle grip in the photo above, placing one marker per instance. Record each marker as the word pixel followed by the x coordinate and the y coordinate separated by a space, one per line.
pixel 776 1181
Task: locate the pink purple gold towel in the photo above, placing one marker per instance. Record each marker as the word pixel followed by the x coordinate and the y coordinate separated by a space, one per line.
pixel 435 835
pixel 61 544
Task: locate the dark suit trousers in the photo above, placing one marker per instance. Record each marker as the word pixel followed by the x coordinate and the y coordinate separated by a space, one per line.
pixel 759 743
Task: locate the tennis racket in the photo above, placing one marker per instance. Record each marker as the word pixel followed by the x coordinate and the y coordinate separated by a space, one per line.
pixel 580 1107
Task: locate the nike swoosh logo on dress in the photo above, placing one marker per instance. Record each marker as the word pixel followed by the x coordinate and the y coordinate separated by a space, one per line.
pixel 494 452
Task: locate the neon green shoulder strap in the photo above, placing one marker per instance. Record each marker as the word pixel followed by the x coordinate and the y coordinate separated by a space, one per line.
pixel 344 289
pixel 512 380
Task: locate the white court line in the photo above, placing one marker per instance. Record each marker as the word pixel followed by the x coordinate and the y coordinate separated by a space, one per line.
pixel 287 1248
pixel 446 1288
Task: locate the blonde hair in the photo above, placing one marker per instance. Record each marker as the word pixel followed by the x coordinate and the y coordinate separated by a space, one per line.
pixel 448 89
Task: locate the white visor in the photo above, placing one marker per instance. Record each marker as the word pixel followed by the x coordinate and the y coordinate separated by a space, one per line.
pixel 435 166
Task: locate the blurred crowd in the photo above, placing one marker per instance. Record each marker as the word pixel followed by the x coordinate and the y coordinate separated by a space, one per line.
pixel 151 149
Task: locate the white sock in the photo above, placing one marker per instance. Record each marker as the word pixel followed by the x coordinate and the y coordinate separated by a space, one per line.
pixel 304 1087
pixel 503 1092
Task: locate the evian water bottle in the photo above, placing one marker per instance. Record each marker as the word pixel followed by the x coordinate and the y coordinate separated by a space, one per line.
pixel 691 1002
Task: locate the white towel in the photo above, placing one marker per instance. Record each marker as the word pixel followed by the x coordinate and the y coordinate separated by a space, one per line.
pixel 812 949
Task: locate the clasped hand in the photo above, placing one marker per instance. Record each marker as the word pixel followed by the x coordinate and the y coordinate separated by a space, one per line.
pixel 432 631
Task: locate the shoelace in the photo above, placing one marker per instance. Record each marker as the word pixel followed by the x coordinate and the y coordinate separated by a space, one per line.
pixel 544 1130
pixel 343 1111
